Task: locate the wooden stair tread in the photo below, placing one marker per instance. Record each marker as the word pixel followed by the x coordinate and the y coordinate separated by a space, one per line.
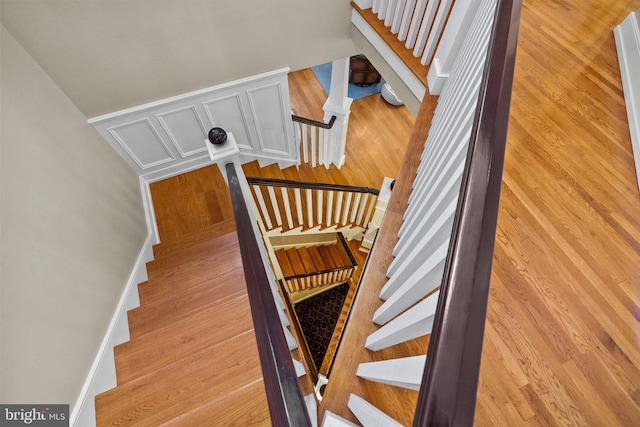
pixel 295 261
pixel 285 264
pixel 187 241
pixel 189 274
pixel 308 262
pixel 243 407
pixel 215 323
pixel 193 255
pixel 182 386
pixel 215 290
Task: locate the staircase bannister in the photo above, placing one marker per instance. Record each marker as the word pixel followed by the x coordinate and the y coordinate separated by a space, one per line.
pixel 284 395
pixel 316 140
pixel 450 380
pixel 312 122
pixel 275 182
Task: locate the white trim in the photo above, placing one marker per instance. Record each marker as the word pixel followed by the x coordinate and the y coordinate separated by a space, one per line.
pixel 102 375
pixel 413 83
pixel 188 95
pixel 149 211
pixel 627 37
pixel 364 4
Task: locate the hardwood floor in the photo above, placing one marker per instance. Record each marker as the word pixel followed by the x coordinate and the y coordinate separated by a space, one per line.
pixel 562 340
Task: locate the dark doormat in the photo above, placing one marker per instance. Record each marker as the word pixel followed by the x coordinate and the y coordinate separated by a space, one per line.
pixel 318 317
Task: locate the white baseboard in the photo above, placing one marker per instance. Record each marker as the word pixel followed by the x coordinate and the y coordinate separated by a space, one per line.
pixel 102 376
pixel 627 36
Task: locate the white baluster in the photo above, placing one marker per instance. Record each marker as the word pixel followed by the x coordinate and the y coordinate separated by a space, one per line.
pixel 347 205
pixel 416 20
pixel 298 200
pixel 338 209
pixel 405 372
pixel 397 16
pixel 369 415
pixel 321 145
pixel 388 17
pixel 309 208
pixel 367 217
pixel 382 13
pixel 299 367
pixel 436 31
pixel 423 241
pixel 358 207
pixel 263 206
pixel 413 323
pixel 287 206
pixel 305 142
pixel 274 205
pixel 291 341
pixel 423 280
pixel 313 147
pixel 375 7
pixel 406 20
pixel 425 26
pixel 319 205
pixel 329 208
pixel 362 204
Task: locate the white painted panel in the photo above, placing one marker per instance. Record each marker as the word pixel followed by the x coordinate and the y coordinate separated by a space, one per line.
pixel 267 108
pixel 141 141
pixel 185 130
pixel 227 112
pixel 166 137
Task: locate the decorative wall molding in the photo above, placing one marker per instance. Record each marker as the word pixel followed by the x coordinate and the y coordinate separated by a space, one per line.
pixel 627 36
pixel 167 137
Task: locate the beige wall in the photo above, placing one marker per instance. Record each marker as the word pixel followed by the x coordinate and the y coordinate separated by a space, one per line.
pixel 72 225
pixel 108 55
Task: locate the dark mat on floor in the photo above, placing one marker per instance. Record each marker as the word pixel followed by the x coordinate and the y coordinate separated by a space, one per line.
pixel 318 316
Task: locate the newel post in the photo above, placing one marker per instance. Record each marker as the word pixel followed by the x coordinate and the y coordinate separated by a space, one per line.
pixel 338 104
pixel 223 149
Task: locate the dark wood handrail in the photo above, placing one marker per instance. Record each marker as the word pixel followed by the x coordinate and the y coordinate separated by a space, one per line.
pixel 450 380
pixel 275 182
pixel 314 122
pixel 284 396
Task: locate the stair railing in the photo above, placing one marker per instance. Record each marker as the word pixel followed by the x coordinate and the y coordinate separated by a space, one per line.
pixel 447 237
pixel 315 140
pixel 306 205
pixel 448 391
pixel 284 395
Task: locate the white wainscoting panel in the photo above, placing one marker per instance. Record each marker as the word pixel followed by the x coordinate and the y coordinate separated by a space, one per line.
pixel 168 137
pixel 271 124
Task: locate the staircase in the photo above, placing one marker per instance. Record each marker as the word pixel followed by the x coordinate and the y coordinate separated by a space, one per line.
pixel 192 357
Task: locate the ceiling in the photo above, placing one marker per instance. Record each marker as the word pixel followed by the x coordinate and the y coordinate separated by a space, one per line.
pixel 108 55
